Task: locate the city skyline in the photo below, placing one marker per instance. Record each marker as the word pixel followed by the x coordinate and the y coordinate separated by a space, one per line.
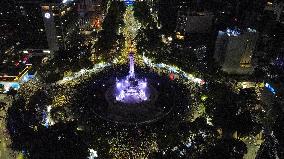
pixel 141 79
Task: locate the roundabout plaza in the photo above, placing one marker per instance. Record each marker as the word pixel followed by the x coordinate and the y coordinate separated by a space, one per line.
pixel 129 97
pixel 115 111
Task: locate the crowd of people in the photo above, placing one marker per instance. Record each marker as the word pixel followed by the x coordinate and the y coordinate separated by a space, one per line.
pixel 83 96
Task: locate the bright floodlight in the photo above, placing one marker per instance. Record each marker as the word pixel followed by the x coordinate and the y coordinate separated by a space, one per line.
pixel 47 15
pixel 64 1
pixel 47 120
pixel 92 154
pixel 118 84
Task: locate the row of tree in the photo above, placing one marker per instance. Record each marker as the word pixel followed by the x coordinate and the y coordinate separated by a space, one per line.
pixel 109 37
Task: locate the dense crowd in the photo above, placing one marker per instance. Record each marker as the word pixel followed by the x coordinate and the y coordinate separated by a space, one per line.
pixel 79 118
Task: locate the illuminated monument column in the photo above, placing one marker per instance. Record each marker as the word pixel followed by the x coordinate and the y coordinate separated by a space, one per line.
pixel 131 90
pixel 131 65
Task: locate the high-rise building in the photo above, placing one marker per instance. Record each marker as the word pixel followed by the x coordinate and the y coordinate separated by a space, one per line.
pixel 21 25
pixel 277 7
pixel 33 28
pixel 60 21
pixel 248 13
pixel 199 22
pixel 194 17
pixel 234 50
pixel 91 14
pixel 7 26
pixel 85 6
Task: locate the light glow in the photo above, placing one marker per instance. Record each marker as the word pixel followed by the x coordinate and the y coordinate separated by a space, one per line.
pixel 270 88
pixel 173 69
pixel 92 154
pixel 47 15
pixel 131 89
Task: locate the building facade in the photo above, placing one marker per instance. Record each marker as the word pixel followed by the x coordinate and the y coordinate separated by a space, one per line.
pixel 91 14
pixel 234 50
pixel 60 21
pixel 277 7
pixel 199 22
pixel 21 25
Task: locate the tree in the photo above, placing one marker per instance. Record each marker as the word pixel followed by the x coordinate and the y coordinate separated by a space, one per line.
pixel 142 12
pixel 167 13
pixel 108 35
pixel 226 149
pixel 232 111
pixel 268 149
pixel 24 123
pixel 12 92
pixel 278 128
pixel 149 39
pixel 59 141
